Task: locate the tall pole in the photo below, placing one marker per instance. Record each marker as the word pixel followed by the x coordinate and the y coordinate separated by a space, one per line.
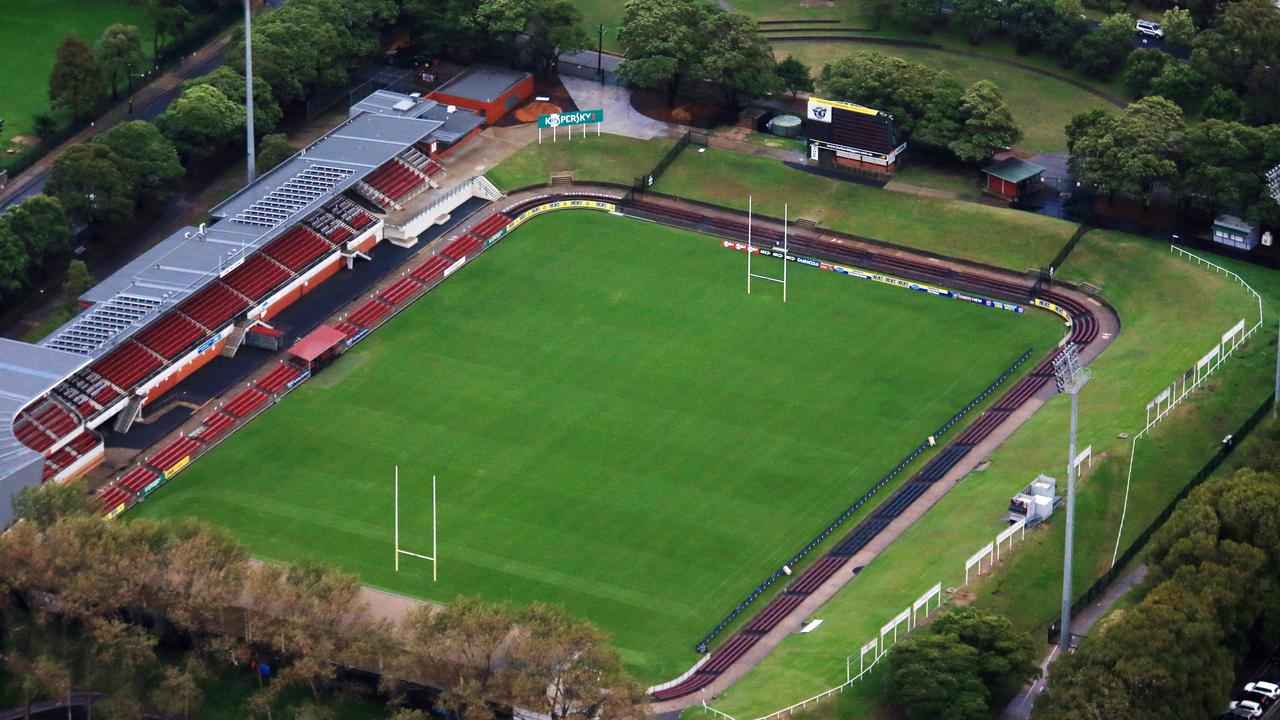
pixel 1276 402
pixel 600 54
pixel 435 551
pixel 785 215
pixel 397 514
pixel 749 245
pixel 1064 637
pixel 252 171
pixel 1070 379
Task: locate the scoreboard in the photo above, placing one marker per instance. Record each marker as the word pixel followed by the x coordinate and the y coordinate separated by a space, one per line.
pixel 853 132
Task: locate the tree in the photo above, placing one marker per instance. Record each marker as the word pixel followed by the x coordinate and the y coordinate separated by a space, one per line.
pixel 1100 52
pixel 545 29
pixel 78 281
pixel 119 51
pixel 88 181
pixel 795 76
pixel 1179 82
pixel 1083 124
pixel 1179 28
pixel 1246 35
pixel 76 82
pixel 273 150
pixel 988 124
pixel 974 19
pixel 1133 152
pixel 1064 30
pixel 565 668
pixel 920 15
pixel 201 121
pixel 1222 104
pixel 169 20
pixel 462 639
pixel 15 266
pixel 146 159
pixel 1006 658
pixel 904 89
pixel 736 59
pixel 179 688
pixel 1029 22
pixel 123 658
pixel 933 677
pixel 661 42
pixel 44 125
pixel 40 225
pixel 467 701
pixel 1142 67
pixel 267 112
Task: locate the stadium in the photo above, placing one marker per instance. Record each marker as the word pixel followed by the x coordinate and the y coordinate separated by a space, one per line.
pixel 611 417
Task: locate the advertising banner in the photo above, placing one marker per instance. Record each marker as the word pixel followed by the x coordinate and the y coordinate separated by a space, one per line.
pixel 115 512
pixel 565 119
pixel 176 468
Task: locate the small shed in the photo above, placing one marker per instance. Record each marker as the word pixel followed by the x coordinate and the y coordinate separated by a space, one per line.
pixel 1234 232
pixel 1012 178
pixel 318 346
pixel 493 92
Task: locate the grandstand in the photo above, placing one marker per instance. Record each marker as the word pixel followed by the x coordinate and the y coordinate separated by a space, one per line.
pixel 195 295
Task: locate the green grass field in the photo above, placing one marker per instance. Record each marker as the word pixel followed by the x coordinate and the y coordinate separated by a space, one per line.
pixel 29 33
pixel 1172 312
pixel 616 426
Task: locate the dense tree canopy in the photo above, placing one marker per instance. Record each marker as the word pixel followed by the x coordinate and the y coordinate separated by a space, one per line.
pixel 201 121
pixel 93 189
pixel 119 52
pixel 661 42
pixel 1134 152
pixel 147 160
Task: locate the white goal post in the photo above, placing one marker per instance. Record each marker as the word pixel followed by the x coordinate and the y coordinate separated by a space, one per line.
pixel 751 251
pixel 433 557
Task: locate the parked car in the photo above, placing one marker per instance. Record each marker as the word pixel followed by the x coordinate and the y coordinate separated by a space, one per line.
pixel 1263 701
pixel 1262 687
pixel 1146 28
pixel 1244 709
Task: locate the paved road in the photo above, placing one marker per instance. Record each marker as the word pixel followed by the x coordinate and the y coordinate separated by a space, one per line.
pixel 1020 707
pixel 147 104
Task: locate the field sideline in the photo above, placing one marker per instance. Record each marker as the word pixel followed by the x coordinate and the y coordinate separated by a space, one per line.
pixel 673 449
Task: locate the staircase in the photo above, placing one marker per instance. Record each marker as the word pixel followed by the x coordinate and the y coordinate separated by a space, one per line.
pixel 129 414
pixel 481 187
pixel 233 342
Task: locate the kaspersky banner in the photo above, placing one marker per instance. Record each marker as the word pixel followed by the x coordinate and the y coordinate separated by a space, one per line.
pixel 566 119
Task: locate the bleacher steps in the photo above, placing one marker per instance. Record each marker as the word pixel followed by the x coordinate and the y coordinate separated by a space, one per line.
pixel 129 414
pixel 234 339
pixel 482 187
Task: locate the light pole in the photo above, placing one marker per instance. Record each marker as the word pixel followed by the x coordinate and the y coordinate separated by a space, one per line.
pixel 252 170
pixel 1070 377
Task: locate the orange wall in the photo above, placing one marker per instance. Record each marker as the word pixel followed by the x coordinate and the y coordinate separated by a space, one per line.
pixel 181 374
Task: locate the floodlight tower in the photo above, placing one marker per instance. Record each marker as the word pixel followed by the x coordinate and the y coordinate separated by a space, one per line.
pixel 1070 377
pixel 252 173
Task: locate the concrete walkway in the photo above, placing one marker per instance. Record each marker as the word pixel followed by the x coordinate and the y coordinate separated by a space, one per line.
pixel 1020 707
pixel 619 117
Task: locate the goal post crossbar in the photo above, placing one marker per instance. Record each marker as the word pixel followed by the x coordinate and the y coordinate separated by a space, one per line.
pixel 435 551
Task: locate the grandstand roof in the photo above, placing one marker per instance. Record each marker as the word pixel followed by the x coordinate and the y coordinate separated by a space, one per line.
pixel 190 258
pixel 456 124
pixel 484 83
pixel 26 373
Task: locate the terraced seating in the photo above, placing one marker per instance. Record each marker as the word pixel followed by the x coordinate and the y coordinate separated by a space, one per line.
pixel 348 329
pixel 127 364
pixel 432 168
pixel 367 315
pixel 245 402
pixel 255 277
pixel 30 434
pixel 68 454
pixel 395 179
pixel 55 418
pixel 213 306
pixel 174 453
pixel 111 497
pixel 400 290
pixel 138 478
pixel 171 334
pixel 777 610
pixel 490 226
pixel 429 269
pixel 349 212
pixel 214 427
pixel 461 247
pixel 282 375
pixel 297 248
